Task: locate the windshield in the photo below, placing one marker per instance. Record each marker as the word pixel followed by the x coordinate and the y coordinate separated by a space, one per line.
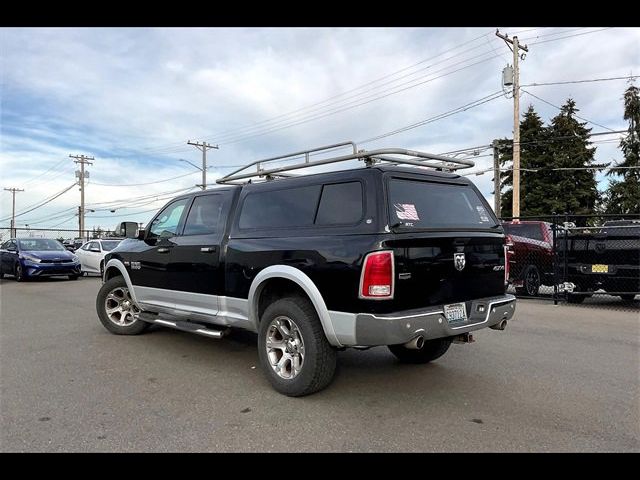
pixel 621 227
pixel 527 230
pixel 108 245
pixel 419 204
pixel 40 244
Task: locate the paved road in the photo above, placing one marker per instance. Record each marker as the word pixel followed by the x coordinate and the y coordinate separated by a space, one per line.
pixel 559 378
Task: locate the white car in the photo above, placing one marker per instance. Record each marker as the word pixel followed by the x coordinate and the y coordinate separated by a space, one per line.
pixel 92 253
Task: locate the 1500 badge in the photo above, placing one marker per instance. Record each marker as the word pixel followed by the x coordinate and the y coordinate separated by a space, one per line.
pixel 135 266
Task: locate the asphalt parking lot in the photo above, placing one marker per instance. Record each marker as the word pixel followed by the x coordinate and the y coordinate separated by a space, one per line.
pixel 563 378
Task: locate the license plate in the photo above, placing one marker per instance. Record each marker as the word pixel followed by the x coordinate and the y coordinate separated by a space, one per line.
pixel 456 312
pixel 599 268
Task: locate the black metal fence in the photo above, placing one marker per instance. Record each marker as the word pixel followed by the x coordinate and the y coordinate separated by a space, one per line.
pixel 69 235
pixel 574 257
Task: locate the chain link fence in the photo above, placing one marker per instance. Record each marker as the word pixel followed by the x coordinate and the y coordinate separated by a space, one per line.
pixel 68 237
pixel 574 257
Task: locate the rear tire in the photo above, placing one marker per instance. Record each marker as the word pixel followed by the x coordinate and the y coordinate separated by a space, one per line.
pixel 431 350
pixel 116 310
pixel 294 352
pixel 626 297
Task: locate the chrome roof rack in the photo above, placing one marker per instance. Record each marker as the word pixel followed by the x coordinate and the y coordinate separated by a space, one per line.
pixel 394 156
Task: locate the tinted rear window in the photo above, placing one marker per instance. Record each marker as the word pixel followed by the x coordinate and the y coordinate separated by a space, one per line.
pixel 418 204
pixel 292 207
pixel 340 204
pixel 204 215
pixel 526 230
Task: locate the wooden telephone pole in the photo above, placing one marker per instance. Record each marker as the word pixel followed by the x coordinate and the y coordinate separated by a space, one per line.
pixel 13 191
pixel 515 47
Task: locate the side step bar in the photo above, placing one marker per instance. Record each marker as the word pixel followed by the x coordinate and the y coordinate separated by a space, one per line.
pixel 190 327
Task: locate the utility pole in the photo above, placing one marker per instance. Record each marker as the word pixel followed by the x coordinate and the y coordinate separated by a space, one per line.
pixel 203 146
pixel 13 210
pixel 496 178
pixel 81 175
pixel 516 117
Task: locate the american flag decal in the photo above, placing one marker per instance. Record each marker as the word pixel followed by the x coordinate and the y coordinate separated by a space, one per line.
pixel 406 211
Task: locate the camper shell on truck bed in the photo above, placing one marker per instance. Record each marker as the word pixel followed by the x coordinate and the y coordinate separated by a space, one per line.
pixel 389 254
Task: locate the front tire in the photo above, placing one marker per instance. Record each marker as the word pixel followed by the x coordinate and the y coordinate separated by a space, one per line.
pixel 117 311
pixel 431 350
pixel 294 352
pixel 531 282
pixel 73 277
pixel 626 297
pixel 19 273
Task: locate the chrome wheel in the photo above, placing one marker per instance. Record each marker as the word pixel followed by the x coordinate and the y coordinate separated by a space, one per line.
pixel 120 308
pixel 285 347
pixel 532 281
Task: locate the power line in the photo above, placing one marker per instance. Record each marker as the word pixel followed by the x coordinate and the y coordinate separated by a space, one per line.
pixel 46 171
pixel 344 108
pixel 560 108
pixel 231 138
pixel 354 98
pixel 141 184
pixel 628 77
pixel 43 203
pixel 553 34
pixel 141 197
pixel 384 77
pixel 569 36
pixel 463 108
pixel 123 214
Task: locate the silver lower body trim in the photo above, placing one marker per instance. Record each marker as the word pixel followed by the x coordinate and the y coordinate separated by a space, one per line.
pixel 365 329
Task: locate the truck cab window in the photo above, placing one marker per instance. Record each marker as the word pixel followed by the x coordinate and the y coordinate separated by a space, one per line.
pixel 166 223
pixel 204 215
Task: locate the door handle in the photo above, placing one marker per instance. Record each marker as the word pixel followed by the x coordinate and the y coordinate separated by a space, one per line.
pixel 208 249
pixel 163 250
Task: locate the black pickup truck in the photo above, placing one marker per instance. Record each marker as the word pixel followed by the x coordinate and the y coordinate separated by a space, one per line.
pixel 606 258
pixel 405 257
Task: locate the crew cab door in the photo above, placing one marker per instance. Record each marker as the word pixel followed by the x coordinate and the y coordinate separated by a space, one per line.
pixel 196 255
pixel 152 265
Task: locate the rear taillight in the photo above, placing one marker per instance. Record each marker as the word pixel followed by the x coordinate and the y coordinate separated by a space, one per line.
pixel 508 251
pixel 376 280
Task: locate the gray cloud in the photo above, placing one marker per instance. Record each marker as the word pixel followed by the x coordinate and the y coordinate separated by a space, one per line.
pixel 132 97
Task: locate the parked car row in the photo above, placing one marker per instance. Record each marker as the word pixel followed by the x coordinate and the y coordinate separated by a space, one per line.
pixel 26 258
pixel 588 259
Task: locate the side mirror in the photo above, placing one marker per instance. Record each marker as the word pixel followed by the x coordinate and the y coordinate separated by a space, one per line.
pixel 141 234
pixel 127 229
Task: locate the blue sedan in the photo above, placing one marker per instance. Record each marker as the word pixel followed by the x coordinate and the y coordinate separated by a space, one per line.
pixel 26 258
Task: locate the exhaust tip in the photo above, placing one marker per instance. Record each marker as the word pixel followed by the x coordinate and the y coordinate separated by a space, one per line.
pixel 500 325
pixel 416 343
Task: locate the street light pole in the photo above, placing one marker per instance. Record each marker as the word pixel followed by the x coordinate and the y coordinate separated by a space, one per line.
pixel 203 146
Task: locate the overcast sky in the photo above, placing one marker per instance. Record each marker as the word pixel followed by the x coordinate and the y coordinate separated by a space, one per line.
pixel 132 97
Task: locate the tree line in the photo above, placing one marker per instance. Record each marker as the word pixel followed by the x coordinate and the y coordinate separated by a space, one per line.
pixel 565 144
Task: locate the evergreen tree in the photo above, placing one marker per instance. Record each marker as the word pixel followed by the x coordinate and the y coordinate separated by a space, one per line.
pixel 572 191
pixel 562 144
pixel 623 196
pixel 533 145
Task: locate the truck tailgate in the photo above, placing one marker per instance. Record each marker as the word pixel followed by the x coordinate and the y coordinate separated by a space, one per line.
pixel 428 273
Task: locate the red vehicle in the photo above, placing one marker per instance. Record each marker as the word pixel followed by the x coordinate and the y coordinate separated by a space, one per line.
pixel 531 255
